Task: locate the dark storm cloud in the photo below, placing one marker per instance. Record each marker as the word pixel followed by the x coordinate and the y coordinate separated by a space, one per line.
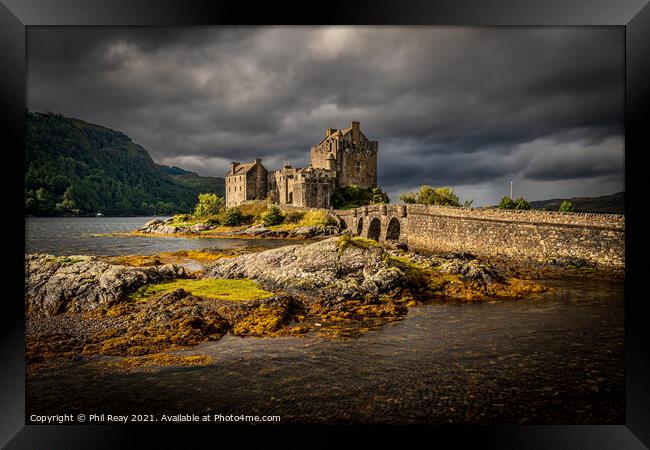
pixel 464 107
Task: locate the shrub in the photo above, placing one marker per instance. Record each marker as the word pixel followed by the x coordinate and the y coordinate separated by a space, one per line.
pixel 272 216
pixel 409 197
pixel 521 203
pixel 254 209
pixel 181 218
pixel 377 196
pixel 209 204
pixel 233 217
pixel 353 196
pixel 316 218
pixel 293 216
pixel 213 220
pixel 437 196
pixel 566 206
pixel 508 203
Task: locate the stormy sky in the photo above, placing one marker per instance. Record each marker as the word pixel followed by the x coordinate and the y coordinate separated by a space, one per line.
pixel 450 106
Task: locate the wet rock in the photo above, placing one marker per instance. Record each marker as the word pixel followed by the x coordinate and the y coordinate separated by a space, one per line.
pixel 275 234
pixel 81 283
pixel 200 227
pixel 160 227
pixel 309 231
pixel 256 230
pixel 318 268
pixel 472 270
pixel 152 223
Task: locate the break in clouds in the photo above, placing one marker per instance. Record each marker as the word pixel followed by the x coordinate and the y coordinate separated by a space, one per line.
pixel 450 106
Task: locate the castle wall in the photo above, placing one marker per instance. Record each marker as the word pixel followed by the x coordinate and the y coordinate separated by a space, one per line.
pixel 313 188
pixel 536 235
pixel 281 185
pixel 257 183
pixel 235 190
pixel 357 167
pixel 248 185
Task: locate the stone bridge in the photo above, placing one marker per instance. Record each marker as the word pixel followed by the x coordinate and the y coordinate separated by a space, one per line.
pixel 531 234
pixel 383 223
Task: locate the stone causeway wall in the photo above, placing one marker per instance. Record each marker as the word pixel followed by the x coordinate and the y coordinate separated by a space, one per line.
pixel 531 234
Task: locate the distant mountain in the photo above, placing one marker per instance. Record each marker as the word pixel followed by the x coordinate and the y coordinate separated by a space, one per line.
pixel 613 204
pixel 79 168
pixel 194 180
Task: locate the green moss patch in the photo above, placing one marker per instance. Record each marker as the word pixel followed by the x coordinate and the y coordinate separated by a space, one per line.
pixel 238 289
pixel 347 241
pixel 65 260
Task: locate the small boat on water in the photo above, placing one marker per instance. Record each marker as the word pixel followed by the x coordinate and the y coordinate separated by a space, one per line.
pixel 99 214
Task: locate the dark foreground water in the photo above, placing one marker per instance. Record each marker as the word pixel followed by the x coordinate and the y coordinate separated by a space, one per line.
pixel 558 358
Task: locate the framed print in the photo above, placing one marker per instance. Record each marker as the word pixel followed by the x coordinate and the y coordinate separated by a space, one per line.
pixel 390 218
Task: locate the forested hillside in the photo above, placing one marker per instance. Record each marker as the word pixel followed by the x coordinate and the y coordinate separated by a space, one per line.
pixel 613 204
pixel 73 167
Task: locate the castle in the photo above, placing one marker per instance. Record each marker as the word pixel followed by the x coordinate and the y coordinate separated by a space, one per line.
pixel 342 158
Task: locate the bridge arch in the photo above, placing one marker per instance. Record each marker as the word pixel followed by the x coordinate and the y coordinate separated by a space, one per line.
pixel 374 229
pixel 393 230
pixel 360 226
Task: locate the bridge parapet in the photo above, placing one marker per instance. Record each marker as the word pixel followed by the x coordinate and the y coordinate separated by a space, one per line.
pixel 535 234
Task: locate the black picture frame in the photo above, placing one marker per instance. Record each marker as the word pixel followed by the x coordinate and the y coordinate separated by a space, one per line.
pixel 634 16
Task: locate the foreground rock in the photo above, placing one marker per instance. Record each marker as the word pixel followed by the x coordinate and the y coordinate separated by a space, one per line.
pixel 328 268
pixel 79 307
pixel 82 283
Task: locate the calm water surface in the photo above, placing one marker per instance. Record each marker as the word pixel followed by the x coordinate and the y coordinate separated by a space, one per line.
pixel 558 358
pixel 79 235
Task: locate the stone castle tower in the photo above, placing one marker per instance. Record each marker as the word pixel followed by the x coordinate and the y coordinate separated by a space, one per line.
pixel 344 157
pixel 350 154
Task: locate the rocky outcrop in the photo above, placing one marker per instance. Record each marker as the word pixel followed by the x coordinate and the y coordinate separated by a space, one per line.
pixel 166 226
pixel 301 232
pixel 472 270
pixel 308 231
pixel 82 283
pixel 325 268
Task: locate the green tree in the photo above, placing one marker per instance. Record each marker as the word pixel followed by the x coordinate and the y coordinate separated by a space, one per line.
pixel 272 216
pixel 566 206
pixel 437 196
pixel 468 203
pixel 377 196
pixel 521 203
pixel 353 196
pixel 508 203
pixel 209 204
pixel 409 197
